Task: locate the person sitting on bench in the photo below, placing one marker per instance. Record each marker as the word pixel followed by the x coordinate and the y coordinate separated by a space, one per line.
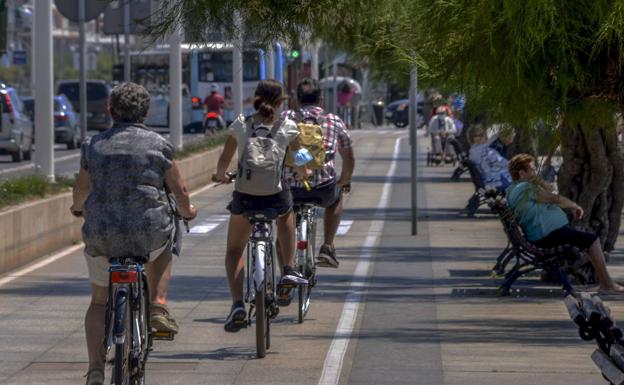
pixel 545 224
pixel 492 166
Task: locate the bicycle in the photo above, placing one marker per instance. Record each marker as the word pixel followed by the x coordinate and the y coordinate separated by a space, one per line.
pixel 260 277
pixel 260 291
pixel 306 213
pixel 127 322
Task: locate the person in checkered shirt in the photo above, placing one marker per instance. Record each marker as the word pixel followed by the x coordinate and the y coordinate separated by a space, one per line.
pixel 326 186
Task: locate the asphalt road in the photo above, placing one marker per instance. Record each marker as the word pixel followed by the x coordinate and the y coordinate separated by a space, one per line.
pixel 66 161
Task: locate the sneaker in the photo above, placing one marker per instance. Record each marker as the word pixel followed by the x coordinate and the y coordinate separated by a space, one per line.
pixel 285 294
pixel 237 319
pixel 161 319
pixel 327 257
pixel 95 377
pixel 292 277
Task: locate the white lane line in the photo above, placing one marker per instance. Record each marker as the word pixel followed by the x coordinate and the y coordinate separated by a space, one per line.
pixel 40 264
pixel 344 226
pixel 209 224
pixel 335 355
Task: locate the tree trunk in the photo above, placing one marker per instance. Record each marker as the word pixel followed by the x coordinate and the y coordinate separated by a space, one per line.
pixel 592 176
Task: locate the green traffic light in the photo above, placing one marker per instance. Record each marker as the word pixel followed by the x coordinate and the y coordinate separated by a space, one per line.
pixel 294 54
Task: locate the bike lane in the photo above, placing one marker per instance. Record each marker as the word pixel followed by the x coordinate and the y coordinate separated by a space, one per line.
pixel 41 313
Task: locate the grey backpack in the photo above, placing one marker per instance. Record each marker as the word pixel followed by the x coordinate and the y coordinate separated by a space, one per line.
pixel 261 162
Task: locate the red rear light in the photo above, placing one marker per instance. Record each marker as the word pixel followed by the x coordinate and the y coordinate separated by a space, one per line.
pixel 7 100
pixel 212 115
pixel 196 102
pixel 124 277
pixel 62 118
pixel 302 245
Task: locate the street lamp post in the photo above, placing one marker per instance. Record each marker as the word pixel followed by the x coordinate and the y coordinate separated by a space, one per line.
pixel 175 89
pixel 43 71
pixel 413 116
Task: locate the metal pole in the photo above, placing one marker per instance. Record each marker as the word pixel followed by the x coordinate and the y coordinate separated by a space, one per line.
pixel 83 71
pixel 314 62
pixel 237 69
pixel 270 63
pixel 335 93
pixel 126 22
pixel 43 69
pixel 175 89
pixel 413 111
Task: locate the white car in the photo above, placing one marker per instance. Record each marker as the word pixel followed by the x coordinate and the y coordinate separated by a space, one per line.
pixel 158 114
pixel 16 128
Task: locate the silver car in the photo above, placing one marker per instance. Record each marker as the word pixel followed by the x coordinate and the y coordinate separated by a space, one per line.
pixel 16 128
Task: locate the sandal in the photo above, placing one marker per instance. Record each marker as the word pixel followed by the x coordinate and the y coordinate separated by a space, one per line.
pixel 95 377
pixel 161 319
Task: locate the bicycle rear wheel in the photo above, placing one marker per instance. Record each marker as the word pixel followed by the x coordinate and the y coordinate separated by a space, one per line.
pixel 121 338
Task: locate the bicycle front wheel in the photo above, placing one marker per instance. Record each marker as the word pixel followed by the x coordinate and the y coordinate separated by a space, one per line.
pixel 121 335
pixel 261 321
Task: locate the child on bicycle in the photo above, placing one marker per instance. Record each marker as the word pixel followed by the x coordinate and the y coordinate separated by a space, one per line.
pixel 249 195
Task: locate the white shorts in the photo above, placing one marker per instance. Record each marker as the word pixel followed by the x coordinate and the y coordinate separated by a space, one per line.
pixel 98 266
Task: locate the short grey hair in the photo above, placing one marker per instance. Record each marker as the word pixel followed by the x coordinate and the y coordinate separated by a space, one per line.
pixel 129 103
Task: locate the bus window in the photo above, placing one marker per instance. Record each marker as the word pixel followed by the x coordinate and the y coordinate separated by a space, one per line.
pixel 217 66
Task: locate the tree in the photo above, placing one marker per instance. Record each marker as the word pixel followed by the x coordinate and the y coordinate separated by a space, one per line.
pixel 554 63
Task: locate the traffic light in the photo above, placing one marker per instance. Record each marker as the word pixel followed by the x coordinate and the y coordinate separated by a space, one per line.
pixel 295 53
pixel 4 13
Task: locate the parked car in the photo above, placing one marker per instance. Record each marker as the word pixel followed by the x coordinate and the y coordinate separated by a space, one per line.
pixel 16 128
pixel 397 113
pixel 66 128
pixel 98 92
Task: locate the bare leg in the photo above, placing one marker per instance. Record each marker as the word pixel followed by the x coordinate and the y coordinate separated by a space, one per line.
pixel 287 235
pixel 331 221
pixel 596 258
pixel 158 277
pixel 239 229
pixel 94 327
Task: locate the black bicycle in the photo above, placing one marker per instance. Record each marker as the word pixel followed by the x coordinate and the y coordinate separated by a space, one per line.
pixel 306 213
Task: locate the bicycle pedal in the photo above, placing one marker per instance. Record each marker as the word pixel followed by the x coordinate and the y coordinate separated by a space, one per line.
pixel 163 335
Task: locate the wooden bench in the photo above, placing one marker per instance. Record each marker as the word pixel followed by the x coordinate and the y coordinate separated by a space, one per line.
pixel 476 200
pixel 561 263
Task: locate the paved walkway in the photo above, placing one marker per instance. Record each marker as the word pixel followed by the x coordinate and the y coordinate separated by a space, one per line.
pixel 402 309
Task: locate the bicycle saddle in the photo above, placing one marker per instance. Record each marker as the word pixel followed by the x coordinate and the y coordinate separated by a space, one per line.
pixel 263 215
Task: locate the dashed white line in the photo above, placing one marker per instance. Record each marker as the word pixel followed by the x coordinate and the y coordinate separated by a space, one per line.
pixel 344 227
pixel 335 355
pixel 209 224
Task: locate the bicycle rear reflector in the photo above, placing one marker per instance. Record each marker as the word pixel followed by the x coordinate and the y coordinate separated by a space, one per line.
pixel 302 245
pixel 124 276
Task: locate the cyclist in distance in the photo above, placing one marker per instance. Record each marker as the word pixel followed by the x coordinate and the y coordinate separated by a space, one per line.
pixel 269 96
pixel 325 185
pixel 120 192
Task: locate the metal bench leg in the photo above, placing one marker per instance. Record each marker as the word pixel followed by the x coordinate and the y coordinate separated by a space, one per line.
pixel 563 279
pixel 503 260
pixel 510 278
pixel 473 205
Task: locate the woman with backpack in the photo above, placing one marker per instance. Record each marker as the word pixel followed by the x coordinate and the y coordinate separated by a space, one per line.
pixel 259 185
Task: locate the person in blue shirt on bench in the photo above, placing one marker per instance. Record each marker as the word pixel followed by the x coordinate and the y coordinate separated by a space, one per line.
pixel 545 224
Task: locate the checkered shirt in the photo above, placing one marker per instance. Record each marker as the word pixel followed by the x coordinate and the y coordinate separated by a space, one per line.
pixel 335 137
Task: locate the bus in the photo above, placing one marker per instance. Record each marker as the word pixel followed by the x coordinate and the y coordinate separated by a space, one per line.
pixel 202 65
